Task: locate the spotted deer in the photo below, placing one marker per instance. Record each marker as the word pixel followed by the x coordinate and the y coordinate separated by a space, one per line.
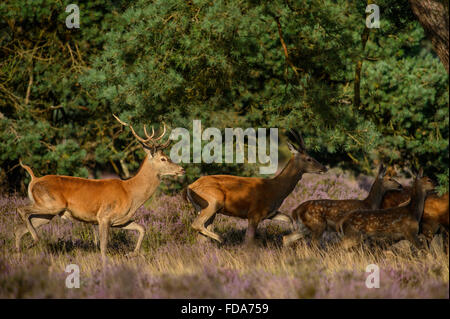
pixel 105 202
pixel 251 198
pixel 316 216
pixel 435 216
pixel 396 223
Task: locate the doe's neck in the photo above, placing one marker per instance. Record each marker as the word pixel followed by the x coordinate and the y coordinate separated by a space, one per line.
pixel 376 193
pixel 286 180
pixel 417 202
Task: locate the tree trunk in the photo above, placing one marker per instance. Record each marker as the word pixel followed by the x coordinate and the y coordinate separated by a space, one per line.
pixel 433 16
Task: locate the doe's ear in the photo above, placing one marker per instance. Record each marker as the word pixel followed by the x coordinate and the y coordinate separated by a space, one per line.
pixel 420 175
pixel 292 148
pixel 381 170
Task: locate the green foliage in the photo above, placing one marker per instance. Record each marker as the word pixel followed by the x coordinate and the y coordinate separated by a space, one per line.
pixel 47 118
pixel 405 92
pixel 221 62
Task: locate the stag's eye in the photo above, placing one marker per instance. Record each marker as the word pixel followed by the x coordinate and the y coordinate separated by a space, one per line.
pixel 163 159
pixel 309 159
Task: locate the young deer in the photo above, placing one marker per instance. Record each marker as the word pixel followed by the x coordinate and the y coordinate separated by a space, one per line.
pixel 395 223
pixel 320 215
pixel 106 202
pixel 435 212
pixel 248 197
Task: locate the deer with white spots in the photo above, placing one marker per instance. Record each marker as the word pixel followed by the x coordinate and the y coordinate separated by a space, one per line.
pixel 316 216
pixel 401 222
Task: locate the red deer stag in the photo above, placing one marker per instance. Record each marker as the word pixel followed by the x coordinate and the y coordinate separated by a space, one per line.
pixel 322 214
pixel 252 198
pixel 106 202
pixel 401 222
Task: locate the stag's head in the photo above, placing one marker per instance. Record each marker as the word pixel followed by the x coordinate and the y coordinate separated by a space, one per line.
pixel 386 180
pixel 301 157
pixel 154 150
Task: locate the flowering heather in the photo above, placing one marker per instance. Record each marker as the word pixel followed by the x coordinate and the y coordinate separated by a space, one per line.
pixel 174 265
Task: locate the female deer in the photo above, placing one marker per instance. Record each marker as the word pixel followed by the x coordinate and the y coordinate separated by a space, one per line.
pixel 249 197
pixel 322 214
pixel 435 212
pixel 395 223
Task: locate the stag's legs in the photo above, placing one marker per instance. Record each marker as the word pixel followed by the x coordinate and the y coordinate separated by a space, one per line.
pixel 141 230
pixel 95 232
pixel 201 220
pixel 103 229
pixel 36 221
pixel 27 213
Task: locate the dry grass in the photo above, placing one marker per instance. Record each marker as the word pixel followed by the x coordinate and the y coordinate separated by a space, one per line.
pixel 174 265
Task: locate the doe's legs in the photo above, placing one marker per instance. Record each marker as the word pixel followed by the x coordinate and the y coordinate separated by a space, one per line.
pixel 200 237
pixel 201 220
pixel 251 230
pixel 292 237
pixel 300 231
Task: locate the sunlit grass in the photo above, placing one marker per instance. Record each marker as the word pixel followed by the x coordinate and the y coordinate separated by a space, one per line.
pixel 174 265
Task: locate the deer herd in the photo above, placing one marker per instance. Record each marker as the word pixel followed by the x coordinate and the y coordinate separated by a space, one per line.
pixel 389 212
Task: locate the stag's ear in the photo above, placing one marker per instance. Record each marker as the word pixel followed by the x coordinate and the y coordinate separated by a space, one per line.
pixel 382 170
pixel 147 151
pixel 292 148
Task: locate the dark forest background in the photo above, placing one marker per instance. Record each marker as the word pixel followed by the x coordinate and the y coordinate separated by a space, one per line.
pixel 358 95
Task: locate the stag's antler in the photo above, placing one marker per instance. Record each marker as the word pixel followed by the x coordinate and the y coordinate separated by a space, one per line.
pixel 149 141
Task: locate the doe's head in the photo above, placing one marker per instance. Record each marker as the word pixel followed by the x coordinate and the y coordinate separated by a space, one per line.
pixel 304 161
pixel 386 180
pixel 424 182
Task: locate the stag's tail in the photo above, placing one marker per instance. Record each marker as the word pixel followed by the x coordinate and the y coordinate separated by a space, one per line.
pixel 28 169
